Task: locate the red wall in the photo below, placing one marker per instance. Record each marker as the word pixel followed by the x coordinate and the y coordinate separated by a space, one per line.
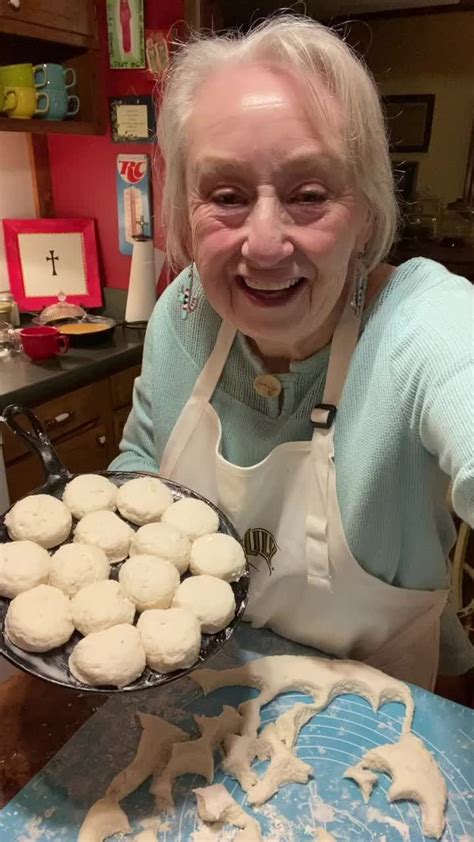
pixel 84 167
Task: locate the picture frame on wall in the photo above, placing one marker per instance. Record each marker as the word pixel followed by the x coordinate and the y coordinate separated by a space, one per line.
pixel 409 121
pixel 50 257
pixel 132 119
pixel 126 34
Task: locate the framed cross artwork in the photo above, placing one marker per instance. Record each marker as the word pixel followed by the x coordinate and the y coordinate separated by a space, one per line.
pixel 49 257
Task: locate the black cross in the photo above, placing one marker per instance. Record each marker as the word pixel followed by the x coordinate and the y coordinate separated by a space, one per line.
pixel 52 259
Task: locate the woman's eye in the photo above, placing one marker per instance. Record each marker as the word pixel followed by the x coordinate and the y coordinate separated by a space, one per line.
pixel 228 198
pixel 308 197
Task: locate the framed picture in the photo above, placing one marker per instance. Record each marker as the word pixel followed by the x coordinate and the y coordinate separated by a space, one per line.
pixel 405 174
pixel 46 257
pixel 409 120
pixel 125 25
pixel 132 119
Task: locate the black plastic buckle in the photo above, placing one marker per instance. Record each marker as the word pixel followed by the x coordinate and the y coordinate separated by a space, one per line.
pixel 331 414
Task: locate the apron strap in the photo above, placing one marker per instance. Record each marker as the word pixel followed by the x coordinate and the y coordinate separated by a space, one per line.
pixel 343 344
pixel 200 397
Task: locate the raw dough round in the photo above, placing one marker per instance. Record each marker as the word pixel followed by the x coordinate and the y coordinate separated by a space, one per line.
pixel 100 606
pixel 23 565
pixel 105 530
pixel 218 555
pixel 150 582
pixel 74 566
pixel 39 620
pixel 164 541
pixel 40 518
pixel 193 517
pixel 143 500
pixel 89 493
pixel 114 656
pixel 210 600
pixel 171 638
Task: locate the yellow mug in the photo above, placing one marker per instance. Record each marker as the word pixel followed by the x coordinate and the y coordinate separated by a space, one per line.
pixel 1 96
pixel 24 103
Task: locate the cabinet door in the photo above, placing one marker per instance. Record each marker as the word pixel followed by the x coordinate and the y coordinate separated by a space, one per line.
pixel 67 15
pixel 122 386
pixel 84 453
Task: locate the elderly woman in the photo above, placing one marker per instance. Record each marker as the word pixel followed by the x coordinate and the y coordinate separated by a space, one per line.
pixel 321 397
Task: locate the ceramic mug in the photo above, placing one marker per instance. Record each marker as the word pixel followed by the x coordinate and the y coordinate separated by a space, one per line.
pixel 1 95
pixel 20 76
pixel 54 76
pixel 60 105
pixel 24 103
pixel 40 343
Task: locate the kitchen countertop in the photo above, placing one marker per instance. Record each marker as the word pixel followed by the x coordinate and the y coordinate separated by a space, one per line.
pixel 25 382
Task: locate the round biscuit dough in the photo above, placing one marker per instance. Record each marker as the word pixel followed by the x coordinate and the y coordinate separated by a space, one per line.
pixel 193 517
pixel 171 638
pixel 23 565
pixel 210 600
pixel 150 582
pixel 164 541
pixel 73 566
pixel 218 555
pixel 143 500
pixel 100 606
pixel 89 493
pixel 106 530
pixel 115 656
pixel 39 518
pixel 39 620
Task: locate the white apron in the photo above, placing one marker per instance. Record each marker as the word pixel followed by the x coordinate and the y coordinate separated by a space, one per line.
pixel 305 583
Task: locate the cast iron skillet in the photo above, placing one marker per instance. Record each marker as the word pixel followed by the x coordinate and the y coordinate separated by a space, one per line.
pixel 53 665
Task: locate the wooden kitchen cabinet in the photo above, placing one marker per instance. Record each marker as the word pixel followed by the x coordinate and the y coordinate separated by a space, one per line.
pixel 70 18
pixel 85 426
pixel 63 32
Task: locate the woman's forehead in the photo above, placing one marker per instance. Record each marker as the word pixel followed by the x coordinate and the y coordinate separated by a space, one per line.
pixel 244 104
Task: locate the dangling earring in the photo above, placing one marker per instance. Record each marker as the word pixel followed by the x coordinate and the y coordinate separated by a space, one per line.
pixel 186 297
pixel 358 299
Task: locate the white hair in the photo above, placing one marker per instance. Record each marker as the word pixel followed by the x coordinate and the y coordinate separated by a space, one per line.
pixel 311 52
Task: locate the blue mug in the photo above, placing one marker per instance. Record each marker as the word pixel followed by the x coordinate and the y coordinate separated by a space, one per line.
pixel 61 105
pixel 54 76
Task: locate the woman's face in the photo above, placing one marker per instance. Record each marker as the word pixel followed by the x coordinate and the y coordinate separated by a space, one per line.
pixel 274 219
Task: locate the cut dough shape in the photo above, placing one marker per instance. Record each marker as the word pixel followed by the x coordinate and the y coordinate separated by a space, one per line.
pixel 143 499
pixel 114 656
pixel 215 804
pixel 149 581
pixel 73 566
pixel 241 751
pixel 39 620
pixel 23 565
pixel 106 817
pixel 322 835
pixel 218 555
pixel 415 776
pixel 39 518
pixel 211 600
pixel 164 541
pixel 89 493
pixel 193 517
pixel 106 530
pixel 171 638
pixel 197 756
pixel 284 767
pixel 101 605
pixel 322 678
pixel 364 778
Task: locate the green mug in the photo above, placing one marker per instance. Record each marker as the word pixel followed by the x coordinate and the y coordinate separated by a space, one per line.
pixel 20 76
pixel 22 103
pixel 1 95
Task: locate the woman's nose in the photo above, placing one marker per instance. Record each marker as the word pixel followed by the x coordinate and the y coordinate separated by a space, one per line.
pixel 266 240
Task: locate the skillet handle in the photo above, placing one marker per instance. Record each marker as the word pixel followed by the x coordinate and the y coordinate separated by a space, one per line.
pixel 36 440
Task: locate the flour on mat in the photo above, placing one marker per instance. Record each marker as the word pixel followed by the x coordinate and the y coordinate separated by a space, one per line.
pixel 33 831
pixel 374 815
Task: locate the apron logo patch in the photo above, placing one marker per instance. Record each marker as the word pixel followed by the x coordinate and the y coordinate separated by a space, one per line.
pixel 260 542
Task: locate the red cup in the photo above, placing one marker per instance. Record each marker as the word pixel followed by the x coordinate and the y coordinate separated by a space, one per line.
pixel 40 343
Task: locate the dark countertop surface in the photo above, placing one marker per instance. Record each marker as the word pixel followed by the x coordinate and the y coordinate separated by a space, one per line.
pixel 25 382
